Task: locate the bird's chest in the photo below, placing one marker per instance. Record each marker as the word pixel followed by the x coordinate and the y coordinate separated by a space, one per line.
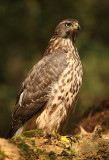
pixel 66 89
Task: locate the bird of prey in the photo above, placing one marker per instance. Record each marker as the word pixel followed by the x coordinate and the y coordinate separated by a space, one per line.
pixel 49 92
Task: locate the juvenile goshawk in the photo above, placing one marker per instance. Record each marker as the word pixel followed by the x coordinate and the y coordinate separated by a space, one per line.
pixel 49 92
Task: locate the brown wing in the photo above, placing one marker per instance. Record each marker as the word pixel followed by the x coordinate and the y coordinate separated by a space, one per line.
pixel 34 92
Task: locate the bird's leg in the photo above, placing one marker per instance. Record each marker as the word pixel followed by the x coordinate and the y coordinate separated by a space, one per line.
pixel 69 139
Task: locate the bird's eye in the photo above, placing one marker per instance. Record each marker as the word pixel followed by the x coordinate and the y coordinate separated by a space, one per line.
pixel 68 24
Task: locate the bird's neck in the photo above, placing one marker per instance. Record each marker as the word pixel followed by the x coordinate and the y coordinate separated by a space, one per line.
pixel 59 44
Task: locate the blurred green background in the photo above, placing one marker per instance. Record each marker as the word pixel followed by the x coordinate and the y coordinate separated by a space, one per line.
pixel 25 29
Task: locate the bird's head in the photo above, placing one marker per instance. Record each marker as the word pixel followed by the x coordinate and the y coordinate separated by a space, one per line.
pixel 67 27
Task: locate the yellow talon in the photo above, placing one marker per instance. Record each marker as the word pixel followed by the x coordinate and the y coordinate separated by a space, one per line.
pixel 69 139
pixel 63 138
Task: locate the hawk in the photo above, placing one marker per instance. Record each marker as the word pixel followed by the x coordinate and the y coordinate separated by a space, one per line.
pixel 49 92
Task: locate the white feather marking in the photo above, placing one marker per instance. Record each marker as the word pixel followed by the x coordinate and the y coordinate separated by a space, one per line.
pixel 20 99
pixel 19 131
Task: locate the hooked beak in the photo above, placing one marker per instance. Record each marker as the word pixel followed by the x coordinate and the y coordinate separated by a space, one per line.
pixel 76 26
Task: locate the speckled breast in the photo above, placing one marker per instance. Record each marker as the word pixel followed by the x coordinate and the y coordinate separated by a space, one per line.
pixel 63 95
pixel 67 88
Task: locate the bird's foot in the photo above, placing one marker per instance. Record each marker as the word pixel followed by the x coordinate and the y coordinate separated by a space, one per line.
pixel 69 139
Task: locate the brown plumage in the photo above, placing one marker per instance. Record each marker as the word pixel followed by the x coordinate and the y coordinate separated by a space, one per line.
pixel 49 93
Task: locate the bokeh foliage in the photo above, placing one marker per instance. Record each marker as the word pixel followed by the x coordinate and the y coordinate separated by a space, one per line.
pixel 25 29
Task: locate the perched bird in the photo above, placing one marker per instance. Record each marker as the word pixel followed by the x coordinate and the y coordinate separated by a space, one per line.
pixel 49 92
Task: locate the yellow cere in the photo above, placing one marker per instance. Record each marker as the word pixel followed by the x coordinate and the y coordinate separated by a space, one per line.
pixel 76 24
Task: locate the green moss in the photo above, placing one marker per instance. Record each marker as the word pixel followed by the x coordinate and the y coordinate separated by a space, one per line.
pixel 26 151
pixel 32 133
pixel 73 152
pixel 32 142
pixel 16 139
pixel 29 150
pixel 43 155
pixel 67 155
pixel 52 155
pixel 39 151
pixel 2 154
pixel 55 135
pixel 48 136
pixel 64 153
pixel 60 144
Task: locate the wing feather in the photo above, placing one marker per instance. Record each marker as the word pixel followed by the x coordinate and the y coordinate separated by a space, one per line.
pixel 35 88
pixel 33 94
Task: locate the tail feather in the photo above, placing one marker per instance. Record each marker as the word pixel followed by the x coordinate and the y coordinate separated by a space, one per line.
pixel 16 124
